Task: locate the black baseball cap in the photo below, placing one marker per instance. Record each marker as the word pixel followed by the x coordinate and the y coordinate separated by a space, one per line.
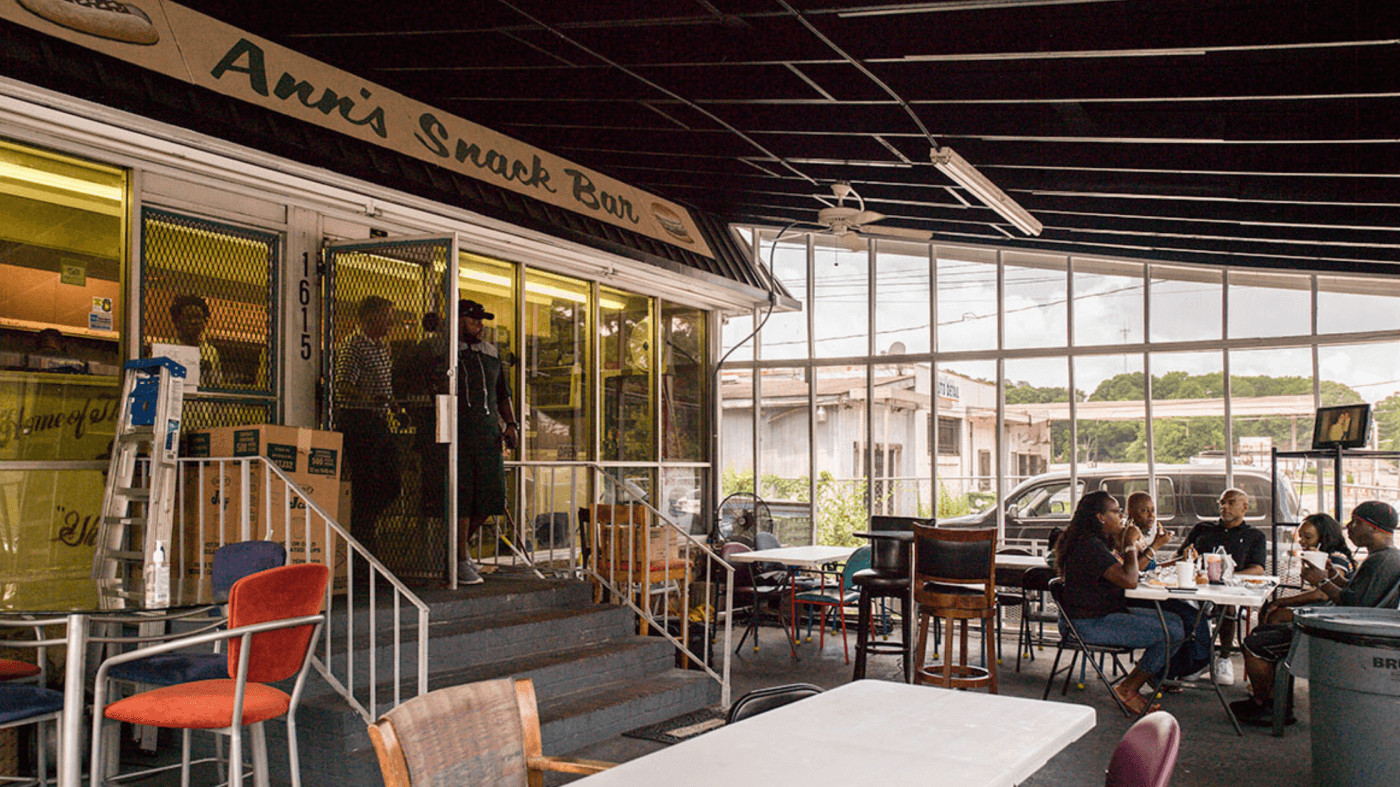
pixel 1376 514
pixel 470 308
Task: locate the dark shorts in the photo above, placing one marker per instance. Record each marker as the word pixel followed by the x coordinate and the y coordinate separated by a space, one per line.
pixel 481 482
pixel 1269 642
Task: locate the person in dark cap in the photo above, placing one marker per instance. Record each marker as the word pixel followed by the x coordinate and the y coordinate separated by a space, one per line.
pixel 485 424
pixel 1375 584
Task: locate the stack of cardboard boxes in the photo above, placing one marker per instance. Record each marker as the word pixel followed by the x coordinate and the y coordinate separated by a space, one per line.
pixel 214 500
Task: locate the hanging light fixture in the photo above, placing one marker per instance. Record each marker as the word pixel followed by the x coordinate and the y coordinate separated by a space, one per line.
pixel 964 174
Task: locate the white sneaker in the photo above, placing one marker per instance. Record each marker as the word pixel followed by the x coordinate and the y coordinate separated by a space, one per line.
pixel 1224 672
pixel 468 575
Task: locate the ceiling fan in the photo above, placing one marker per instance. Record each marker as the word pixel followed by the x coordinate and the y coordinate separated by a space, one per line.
pixel 852 224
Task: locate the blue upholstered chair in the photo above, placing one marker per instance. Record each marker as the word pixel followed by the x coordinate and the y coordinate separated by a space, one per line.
pixel 232 562
pixel 23 704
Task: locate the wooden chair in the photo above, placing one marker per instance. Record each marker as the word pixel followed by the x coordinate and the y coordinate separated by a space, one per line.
pixel 954 579
pixel 485 733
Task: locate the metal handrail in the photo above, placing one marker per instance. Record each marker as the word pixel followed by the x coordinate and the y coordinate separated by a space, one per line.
pixel 626 591
pixel 341 674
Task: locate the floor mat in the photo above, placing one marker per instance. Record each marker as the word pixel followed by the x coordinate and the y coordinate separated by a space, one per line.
pixel 680 728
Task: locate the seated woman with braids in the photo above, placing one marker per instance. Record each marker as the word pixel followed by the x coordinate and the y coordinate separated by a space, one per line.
pixel 1095 578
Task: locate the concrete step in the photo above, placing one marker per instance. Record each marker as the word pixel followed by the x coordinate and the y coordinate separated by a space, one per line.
pixel 485 639
pixel 594 676
pixel 499 594
pixel 572 721
pixel 560 672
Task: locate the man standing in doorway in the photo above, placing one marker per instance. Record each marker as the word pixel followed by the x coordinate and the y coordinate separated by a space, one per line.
pixel 364 392
pixel 1249 549
pixel 483 405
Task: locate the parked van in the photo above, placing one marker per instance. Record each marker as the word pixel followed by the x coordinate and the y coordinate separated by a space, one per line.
pixel 1185 495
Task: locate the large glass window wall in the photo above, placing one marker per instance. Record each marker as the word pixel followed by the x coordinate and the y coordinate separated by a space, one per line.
pixel 1014 367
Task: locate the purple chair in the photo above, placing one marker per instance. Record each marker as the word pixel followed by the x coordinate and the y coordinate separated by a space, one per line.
pixel 1146 756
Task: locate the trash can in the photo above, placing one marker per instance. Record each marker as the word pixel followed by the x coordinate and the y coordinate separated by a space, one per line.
pixel 1352 665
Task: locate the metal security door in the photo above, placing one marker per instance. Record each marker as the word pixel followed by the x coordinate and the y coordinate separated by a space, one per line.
pixel 395 295
pixel 213 286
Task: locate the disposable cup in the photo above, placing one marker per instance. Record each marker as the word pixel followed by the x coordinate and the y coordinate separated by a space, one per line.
pixel 1185 574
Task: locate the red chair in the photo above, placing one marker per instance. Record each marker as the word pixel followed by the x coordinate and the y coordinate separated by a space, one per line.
pixel 833 598
pixel 1146 756
pixel 274 620
pixel 18 670
pixel 24 671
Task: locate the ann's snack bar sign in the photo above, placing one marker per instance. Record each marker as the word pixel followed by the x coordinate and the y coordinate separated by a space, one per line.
pixel 181 43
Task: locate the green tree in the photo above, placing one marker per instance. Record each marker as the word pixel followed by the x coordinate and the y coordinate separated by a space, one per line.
pixel 1387 417
pixel 841 510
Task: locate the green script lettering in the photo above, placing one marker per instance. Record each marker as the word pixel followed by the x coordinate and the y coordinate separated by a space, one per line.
pixel 329 102
pixel 437 134
pixel 435 137
pixel 255 68
pixel 590 196
pixel 247 58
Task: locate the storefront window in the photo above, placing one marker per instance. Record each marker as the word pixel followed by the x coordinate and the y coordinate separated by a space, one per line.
pixel 627 343
pixel 684 380
pixel 62 241
pixel 556 357
pixel 491 283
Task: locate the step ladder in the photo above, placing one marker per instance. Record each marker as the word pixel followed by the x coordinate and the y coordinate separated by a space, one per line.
pixel 138 507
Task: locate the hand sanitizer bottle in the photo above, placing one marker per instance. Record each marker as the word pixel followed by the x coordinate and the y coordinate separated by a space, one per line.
pixel 158 578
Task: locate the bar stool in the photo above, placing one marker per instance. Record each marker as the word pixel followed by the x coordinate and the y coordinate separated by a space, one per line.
pixel 887 577
pixel 954 575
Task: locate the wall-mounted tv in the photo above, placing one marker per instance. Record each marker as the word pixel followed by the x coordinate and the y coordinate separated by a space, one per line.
pixel 1345 426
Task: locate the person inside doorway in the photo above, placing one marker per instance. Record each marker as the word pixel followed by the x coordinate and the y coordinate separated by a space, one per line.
pixel 190 314
pixel 420 378
pixel 364 393
pixel 486 424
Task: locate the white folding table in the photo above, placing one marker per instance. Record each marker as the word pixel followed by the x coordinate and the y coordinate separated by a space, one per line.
pixel 1252 595
pixel 874 733
pixel 810 557
pixel 794 559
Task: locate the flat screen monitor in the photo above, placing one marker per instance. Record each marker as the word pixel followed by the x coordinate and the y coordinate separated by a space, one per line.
pixel 1344 426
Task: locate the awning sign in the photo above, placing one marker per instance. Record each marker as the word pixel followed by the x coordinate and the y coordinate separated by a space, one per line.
pixel 184 44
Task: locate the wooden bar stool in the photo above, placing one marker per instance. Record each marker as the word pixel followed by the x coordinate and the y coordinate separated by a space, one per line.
pixel 954 579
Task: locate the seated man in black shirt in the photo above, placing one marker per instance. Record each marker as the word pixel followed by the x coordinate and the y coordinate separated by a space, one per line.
pixel 1375 584
pixel 1249 549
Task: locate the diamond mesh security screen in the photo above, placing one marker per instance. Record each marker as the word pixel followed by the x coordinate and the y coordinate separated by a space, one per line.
pixel 384 407
pixel 211 286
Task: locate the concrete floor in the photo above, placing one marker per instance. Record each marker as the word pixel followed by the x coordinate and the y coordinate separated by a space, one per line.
pixel 1210 754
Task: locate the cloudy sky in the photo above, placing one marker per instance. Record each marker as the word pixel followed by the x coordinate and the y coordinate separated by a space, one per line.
pixel 1187 306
